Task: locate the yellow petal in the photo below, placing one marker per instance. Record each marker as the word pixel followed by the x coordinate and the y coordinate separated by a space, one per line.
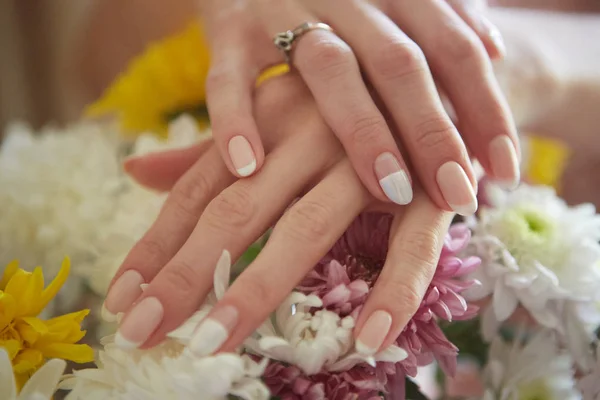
pixel 8 309
pixel 31 329
pixel 28 360
pixel 26 288
pixel 21 379
pixel 52 289
pixel 79 353
pixel 9 271
pixel 12 347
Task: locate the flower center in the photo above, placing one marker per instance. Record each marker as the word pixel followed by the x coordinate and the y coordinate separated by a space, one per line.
pixel 364 267
pixel 527 232
pixel 535 390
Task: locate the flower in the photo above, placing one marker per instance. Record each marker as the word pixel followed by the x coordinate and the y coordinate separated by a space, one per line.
pixel 537 252
pixel 589 383
pixel 170 370
pixel 313 339
pixel 41 385
pixel 345 276
pixel 167 79
pixel 288 382
pixel 538 369
pixel 27 339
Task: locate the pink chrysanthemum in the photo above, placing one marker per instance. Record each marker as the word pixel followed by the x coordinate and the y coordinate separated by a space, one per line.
pixel 346 275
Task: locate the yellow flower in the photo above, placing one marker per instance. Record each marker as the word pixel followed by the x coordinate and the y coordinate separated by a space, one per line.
pixel 546 161
pixel 167 79
pixel 28 340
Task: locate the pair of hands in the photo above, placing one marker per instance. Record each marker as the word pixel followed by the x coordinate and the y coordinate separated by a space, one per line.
pixel 297 154
pixel 396 44
pixel 209 210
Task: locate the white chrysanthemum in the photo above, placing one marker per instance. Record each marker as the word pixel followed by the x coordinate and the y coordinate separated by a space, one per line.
pixel 41 386
pixel 313 340
pixel 536 251
pixel 589 383
pixel 170 370
pixel 64 192
pixel 532 371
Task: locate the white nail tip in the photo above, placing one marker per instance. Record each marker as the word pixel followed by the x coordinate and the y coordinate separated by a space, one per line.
pixel 107 315
pixel 208 338
pixel 125 344
pixel 465 210
pixel 397 187
pixel 364 350
pixel 247 170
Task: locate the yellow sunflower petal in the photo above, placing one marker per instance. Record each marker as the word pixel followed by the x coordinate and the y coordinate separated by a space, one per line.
pixel 52 289
pixel 11 346
pixel 63 329
pixel 26 288
pixel 79 353
pixel 8 309
pixel 9 271
pixel 28 360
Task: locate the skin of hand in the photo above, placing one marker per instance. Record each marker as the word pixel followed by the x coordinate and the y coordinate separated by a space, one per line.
pixel 399 46
pixel 208 210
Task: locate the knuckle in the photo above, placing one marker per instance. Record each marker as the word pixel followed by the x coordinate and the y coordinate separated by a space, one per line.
pixel 307 222
pixel 329 58
pixel 462 48
pixel 257 290
pixel 232 210
pixel 364 130
pixel 407 296
pixel 435 133
pixel 189 195
pixel 182 276
pixel 219 76
pixel 395 59
pixel 152 250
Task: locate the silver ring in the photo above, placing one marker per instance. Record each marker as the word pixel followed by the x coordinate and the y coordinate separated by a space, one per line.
pixel 284 41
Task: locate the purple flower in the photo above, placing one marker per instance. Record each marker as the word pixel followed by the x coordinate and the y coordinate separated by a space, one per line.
pixel 345 276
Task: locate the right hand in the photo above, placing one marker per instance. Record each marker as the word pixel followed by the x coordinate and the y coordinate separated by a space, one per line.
pixel 449 36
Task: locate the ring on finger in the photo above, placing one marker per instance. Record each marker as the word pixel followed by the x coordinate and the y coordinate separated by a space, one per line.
pixel 284 41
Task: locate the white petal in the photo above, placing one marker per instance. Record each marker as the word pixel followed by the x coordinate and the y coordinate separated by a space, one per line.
pixel 222 274
pixel 391 354
pixel 277 348
pixel 8 387
pixel 505 302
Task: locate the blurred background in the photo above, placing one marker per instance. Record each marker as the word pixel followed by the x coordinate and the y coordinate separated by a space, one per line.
pixel 56 56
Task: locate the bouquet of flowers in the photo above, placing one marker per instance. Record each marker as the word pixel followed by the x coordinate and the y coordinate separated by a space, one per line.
pixel 510 314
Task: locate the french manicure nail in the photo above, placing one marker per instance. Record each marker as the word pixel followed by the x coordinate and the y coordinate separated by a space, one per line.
pixel 456 188
pixel 122 294
pixel 242 156
pixel 373 333
pixel 212 332
pixel 139 323
pixel 504 162
pixel 393 179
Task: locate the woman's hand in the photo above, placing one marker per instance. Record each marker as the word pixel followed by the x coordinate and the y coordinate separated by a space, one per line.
pixel 208 211
pixel 394 42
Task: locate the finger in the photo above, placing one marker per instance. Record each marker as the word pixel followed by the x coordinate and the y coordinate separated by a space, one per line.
pixel 168 233
pixel 233 220
pixel 299 240
pixel 332 74
pixel 229 86
pixel 489 35
pixel 458 59
pixel 160 171
pixel 416 241
pixel 399 72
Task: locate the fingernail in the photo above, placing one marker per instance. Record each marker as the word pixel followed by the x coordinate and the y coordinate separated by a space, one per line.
pixel 214 331
pixel 122 294
pixel 129 162
pixel 392 179
pixel 504 162
pixel 496 37
pixel 139 323
pixel 457 189
pixel 373 333
pixel 242 156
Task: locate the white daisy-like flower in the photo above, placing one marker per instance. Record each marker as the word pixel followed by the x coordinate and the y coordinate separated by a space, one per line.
pixel 532 371
pixel 41 385
pixel 313 340
pixel 170 370
pixel 589 383
pixel 536 251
